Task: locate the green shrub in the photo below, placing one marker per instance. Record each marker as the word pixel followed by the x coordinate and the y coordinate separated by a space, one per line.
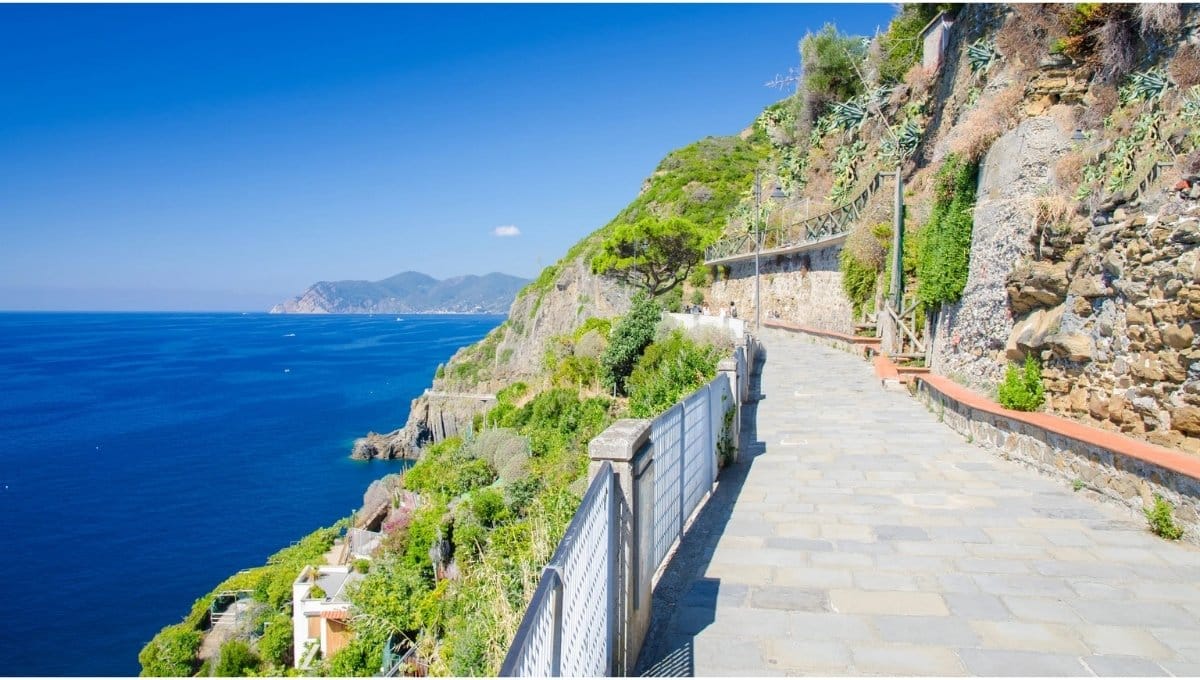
pixel 362 566
pixel 858 281
pixel 668 371
pixel 489 507
pixel 700 182
pixel 602 326
pixel 697 297
pixel 237 660
pixel 1022 389
pixel 633 333
pixel 388 595
pixel 944 250
pixel 512 393
pixel 830 60
pixel 1162 519
pixel 557 420
pixel 359 658
pixel 447 471
pixel 901 45
pixel 521 493
pixel 275 645
pixel 672 300
pixel 172 653
pixel 469 536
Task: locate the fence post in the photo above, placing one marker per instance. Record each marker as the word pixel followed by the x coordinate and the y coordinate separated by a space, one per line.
pixel 710 443
pixel 556 629
pixel 729 367
pixel 682 468
pixel 620 445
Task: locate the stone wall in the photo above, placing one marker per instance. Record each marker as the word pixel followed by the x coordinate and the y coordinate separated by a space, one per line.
pixel 970 335
pixel 804 288
pixel 1116 324
pixel 1104 474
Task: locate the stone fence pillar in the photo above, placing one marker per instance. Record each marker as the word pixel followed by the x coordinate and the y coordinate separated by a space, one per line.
pixel 729 367
pixel 626 446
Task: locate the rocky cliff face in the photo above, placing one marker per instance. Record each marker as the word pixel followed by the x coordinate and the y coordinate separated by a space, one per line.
pixel 1103 290
pixel 511 353
pixel 970 335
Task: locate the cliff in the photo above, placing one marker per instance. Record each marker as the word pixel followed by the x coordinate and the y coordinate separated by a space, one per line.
pixel 701 181
pixel 407 293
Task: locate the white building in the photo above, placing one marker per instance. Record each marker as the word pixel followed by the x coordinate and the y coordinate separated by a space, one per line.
pixel 321 624
pixel 934 38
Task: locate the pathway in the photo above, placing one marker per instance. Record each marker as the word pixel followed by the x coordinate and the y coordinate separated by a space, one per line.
pixel 858 536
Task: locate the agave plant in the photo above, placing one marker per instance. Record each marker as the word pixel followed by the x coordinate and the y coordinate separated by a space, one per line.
pixel 1190 109
pixel 909 137
pixel 888 153
pixel 1146 86
pixel 982 54
pixel 848 115
pixel 844 175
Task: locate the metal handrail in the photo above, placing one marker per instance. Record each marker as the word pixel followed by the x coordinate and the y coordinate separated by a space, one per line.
pixel 551 586
pixel 811 229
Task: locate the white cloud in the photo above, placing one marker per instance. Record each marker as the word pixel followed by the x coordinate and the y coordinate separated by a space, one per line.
pixel 506 230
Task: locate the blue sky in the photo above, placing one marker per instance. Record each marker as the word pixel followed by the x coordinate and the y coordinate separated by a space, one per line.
pixel 227 156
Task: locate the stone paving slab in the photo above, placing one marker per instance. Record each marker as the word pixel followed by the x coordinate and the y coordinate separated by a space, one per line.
pixel 858 536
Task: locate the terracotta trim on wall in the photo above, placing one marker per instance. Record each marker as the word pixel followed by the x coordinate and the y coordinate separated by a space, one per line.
pixel 1120 444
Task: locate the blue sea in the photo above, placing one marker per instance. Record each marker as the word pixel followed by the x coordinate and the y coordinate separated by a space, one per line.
pixel 145 457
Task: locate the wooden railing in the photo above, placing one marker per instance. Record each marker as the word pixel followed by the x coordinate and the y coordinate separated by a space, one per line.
pixel 836 222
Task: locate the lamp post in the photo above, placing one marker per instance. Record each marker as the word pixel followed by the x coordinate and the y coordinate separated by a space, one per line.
pixel 758 224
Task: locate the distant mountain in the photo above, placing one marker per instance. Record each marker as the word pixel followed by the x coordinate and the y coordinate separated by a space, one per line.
pixel 408 293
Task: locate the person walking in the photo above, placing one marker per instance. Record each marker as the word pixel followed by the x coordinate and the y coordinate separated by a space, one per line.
pixel 732 310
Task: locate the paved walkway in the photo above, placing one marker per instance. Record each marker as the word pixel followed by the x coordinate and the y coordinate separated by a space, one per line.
pixel 858 536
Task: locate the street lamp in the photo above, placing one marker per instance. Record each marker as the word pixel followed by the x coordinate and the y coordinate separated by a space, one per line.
pixel 758 224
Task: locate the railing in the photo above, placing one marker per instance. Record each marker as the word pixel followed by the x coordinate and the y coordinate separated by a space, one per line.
pixel 836 222
pixel 569 626
pixel 394 659
pixel 683 443
pixel 590 610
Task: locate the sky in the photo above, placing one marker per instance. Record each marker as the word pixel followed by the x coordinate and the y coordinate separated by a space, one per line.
pixel 225 157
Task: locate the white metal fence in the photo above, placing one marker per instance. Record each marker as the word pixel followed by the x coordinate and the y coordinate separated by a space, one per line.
pixel 570 626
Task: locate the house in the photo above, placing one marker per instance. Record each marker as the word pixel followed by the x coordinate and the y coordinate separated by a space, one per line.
pixel 934 39
pixel 321 611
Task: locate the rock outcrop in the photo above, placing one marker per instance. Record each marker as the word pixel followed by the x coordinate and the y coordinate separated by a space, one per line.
pixel 510 353
pixel 973 336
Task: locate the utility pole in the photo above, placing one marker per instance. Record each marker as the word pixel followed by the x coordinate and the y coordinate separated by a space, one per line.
pixel 757 247
pixel 898 244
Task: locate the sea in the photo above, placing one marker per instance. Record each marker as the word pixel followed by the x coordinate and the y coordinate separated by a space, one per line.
pixel 146 457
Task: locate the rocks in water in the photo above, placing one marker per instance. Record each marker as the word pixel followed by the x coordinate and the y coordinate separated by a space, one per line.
pixel 382 446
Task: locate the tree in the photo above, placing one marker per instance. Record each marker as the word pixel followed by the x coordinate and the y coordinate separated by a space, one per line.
pixel 172 653
pixel 830 60
pixel 656 254
pixel 629 338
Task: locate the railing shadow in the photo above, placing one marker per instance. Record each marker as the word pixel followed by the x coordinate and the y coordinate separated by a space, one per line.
pixel 684 600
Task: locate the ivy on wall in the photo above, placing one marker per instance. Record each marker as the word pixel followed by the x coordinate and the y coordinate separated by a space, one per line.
pixel 944 243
